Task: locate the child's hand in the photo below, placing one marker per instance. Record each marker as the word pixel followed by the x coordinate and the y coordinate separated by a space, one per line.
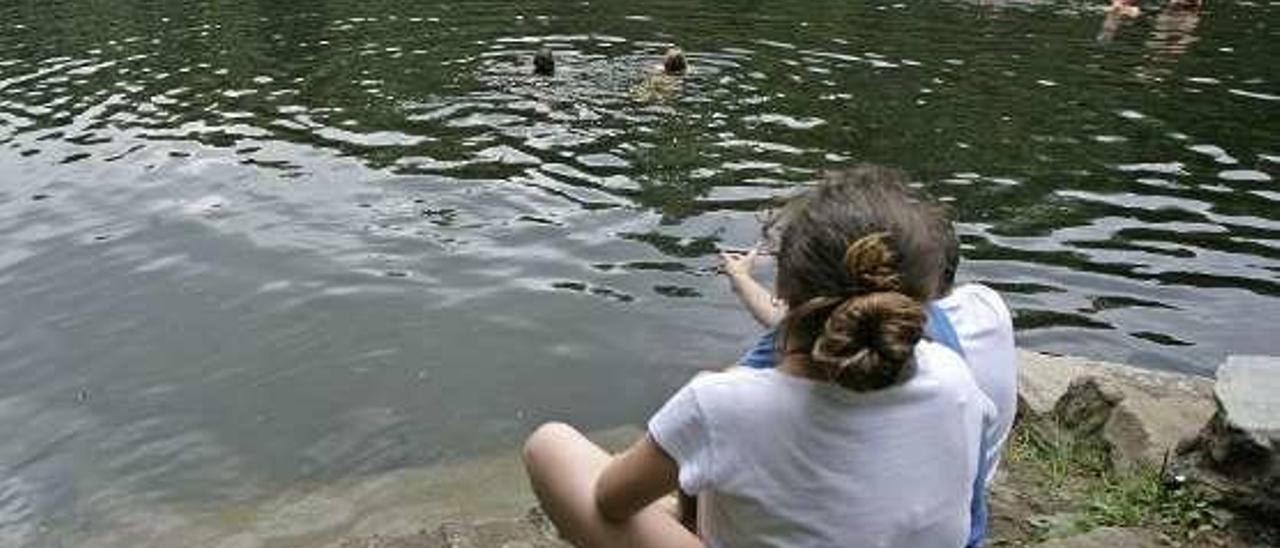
pixel 736 265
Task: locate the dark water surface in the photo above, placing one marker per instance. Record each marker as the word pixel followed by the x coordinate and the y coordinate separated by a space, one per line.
pixel 246 246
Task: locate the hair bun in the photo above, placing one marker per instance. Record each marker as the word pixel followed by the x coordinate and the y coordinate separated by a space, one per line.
pixel 868 340
pixel 873 263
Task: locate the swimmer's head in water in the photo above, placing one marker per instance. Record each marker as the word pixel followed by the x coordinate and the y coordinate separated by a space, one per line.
pixel 543 63
pixel 674 62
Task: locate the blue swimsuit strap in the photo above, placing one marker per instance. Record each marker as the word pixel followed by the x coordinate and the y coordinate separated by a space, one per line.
pixel 939 329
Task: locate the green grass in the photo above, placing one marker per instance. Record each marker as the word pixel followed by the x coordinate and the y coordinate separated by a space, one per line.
pixel 1059 458
pixel 1142 498
pixel 1076 471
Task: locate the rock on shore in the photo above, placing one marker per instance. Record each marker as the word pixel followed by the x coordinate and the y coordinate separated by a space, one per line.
pixel 1139 415
pixel 1236 452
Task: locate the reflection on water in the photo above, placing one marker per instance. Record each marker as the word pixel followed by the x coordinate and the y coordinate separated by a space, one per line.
pixel 1172 35
pixel 256 248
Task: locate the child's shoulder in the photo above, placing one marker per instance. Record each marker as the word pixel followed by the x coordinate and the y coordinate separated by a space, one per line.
pixel 975 290
pixel 738 386
pixel 936 360
pixel 973 298
pixel 729 378
pixel 941 370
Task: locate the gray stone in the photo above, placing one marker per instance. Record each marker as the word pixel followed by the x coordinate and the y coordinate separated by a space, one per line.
pixel 1248 389
pixel 1139 415
pixel 1107 537
pixel 1042 379
pixel 1235 455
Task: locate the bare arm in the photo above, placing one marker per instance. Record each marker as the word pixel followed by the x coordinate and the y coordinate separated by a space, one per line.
pixel 759 302
pixel 757 299
pixel 635 479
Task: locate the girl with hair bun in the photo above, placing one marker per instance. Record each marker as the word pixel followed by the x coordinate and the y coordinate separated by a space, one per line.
pixel 867 433
pixel 970 319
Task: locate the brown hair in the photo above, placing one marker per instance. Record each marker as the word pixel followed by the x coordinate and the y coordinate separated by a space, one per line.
pixel 948 248
pixel 857 256
pixel 544 64
pixel 674 62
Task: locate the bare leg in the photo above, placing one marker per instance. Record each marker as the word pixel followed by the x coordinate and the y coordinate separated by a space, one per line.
pixel 563 466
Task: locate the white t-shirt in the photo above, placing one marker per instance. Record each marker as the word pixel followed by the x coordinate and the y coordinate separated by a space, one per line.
pixel 782 461
pixel 984 328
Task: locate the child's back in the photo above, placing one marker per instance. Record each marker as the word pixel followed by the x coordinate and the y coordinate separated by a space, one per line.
pixel 867 433
pixel 984 329
pixel 787 461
